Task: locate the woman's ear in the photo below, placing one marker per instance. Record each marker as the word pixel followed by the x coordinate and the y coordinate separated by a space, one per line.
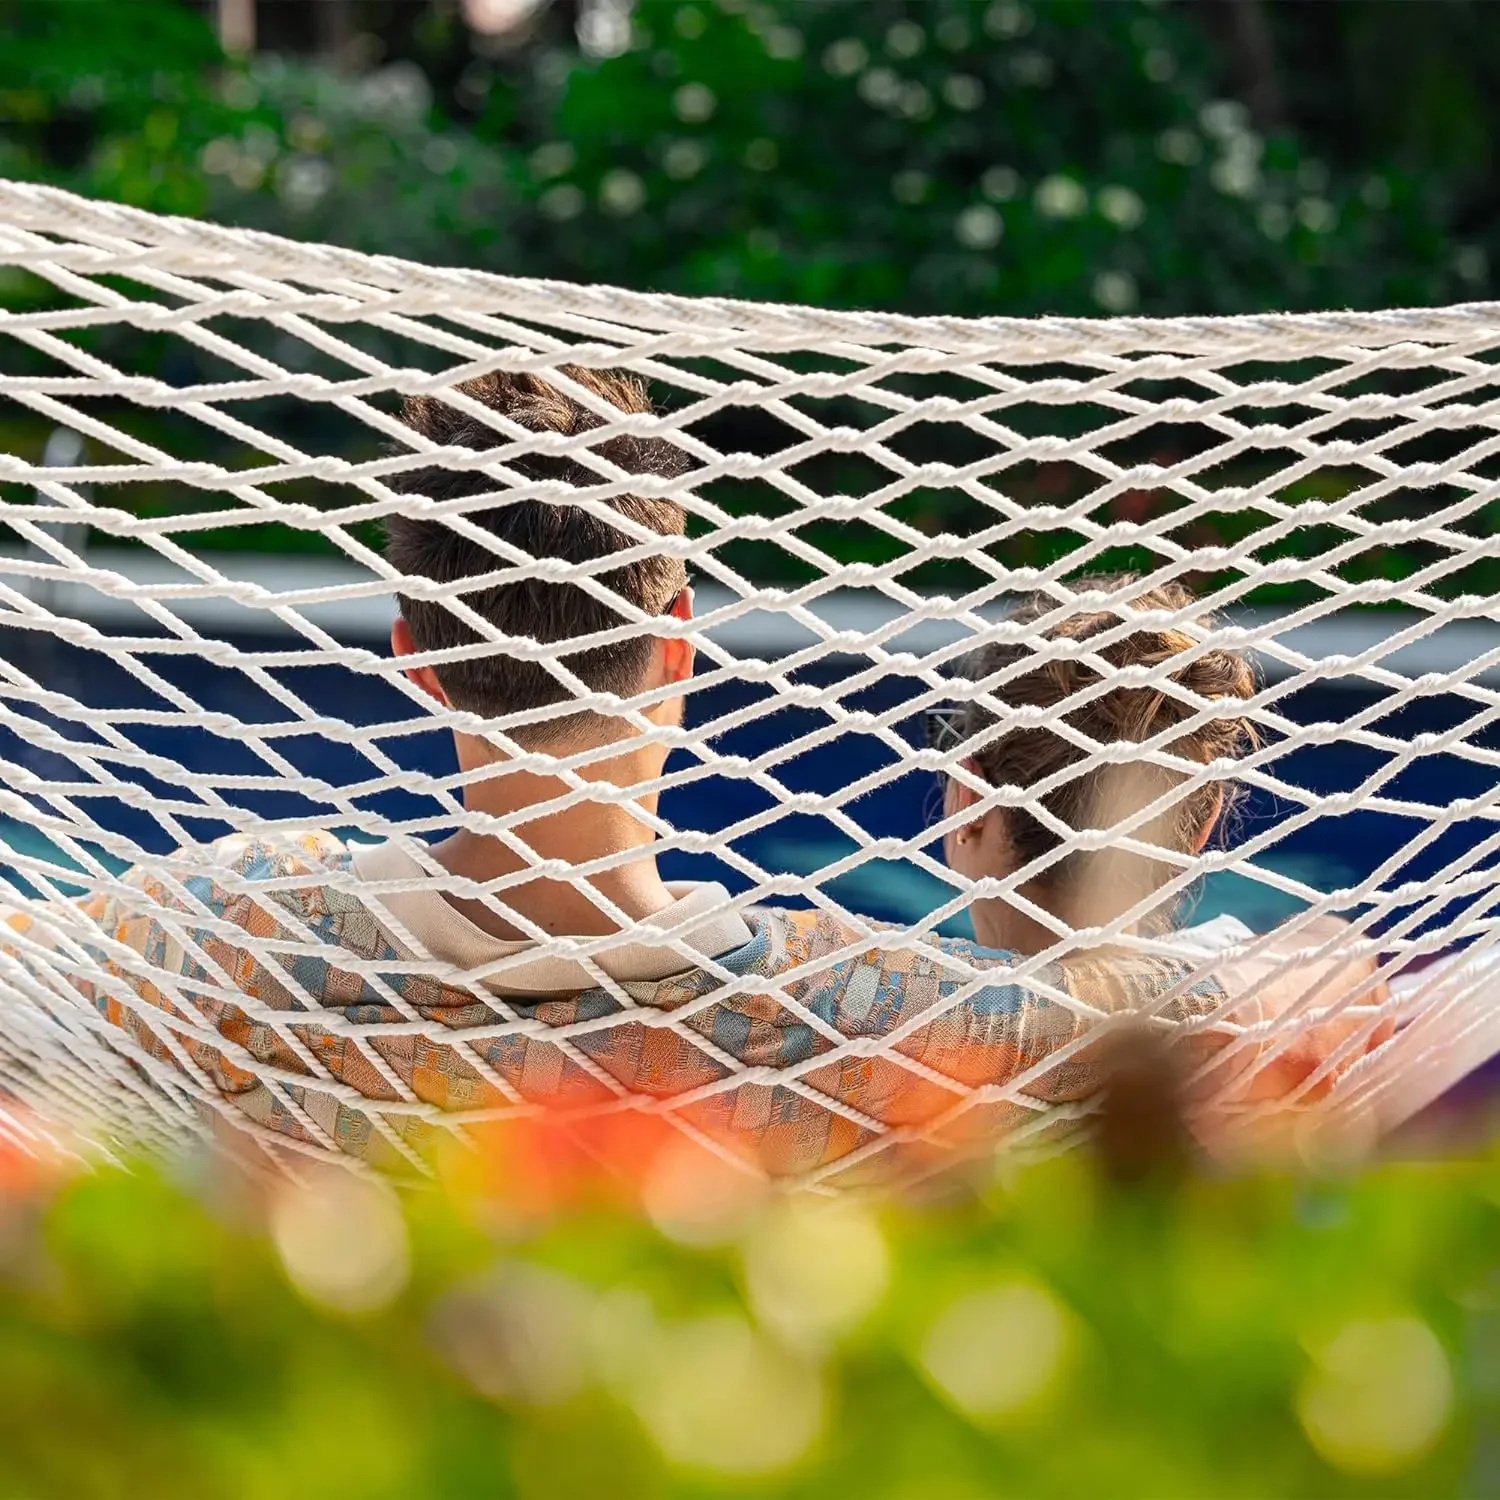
pixel 424 677
pixel 957 797
pixel 974 847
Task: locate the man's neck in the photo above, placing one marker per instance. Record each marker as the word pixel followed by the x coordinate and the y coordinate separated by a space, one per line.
pixel 580 834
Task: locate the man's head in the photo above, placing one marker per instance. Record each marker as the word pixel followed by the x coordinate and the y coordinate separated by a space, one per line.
pixel 496 683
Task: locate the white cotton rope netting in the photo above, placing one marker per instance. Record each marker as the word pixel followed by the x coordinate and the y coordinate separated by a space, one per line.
pixel 1330 484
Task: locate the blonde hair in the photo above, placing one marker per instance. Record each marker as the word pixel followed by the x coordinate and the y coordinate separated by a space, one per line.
pixel 1091 886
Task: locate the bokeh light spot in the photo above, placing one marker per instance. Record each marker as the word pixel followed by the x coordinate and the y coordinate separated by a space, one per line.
pixel 695 1198
pixel 979 227
pixel 694 103
pixel 1378 1397
pixel 1061 197
pixel 720 1397
pixel 621 192
pixel 1000 1352
pixel 342 1241
pixel 815 1270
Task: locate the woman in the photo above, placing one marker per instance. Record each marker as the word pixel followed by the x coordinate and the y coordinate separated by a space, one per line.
pixel 1082 888
pixel 1063 887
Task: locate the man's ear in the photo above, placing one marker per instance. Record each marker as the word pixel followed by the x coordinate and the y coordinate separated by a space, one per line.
pixel 424 677
pixel 677 651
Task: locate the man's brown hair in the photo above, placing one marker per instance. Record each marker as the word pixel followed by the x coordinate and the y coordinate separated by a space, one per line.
pixel 497 683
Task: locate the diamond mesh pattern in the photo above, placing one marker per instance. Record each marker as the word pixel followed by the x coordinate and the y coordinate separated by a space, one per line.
pixel 869 495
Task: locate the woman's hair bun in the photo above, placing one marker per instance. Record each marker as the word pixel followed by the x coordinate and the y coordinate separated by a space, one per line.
pixel 1124 713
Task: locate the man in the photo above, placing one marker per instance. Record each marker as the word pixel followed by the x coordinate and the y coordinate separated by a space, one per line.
pixel 396 991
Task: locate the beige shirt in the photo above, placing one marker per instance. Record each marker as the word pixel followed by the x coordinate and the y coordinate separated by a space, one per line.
pixel 710 927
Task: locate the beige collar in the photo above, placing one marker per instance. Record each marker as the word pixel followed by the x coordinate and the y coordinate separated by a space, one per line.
pixel 710 927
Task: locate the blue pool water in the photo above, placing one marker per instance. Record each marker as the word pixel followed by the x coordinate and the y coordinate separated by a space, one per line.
pixel 1331 853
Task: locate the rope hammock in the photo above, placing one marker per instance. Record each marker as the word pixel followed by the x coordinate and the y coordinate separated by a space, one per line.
pixel 203 438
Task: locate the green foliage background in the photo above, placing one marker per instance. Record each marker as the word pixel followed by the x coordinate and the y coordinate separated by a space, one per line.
pixel 804 150
pixel 960 157
pixel 1048 1336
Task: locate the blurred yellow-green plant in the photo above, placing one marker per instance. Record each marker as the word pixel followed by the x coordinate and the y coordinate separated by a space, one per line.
pixel 1045 1334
